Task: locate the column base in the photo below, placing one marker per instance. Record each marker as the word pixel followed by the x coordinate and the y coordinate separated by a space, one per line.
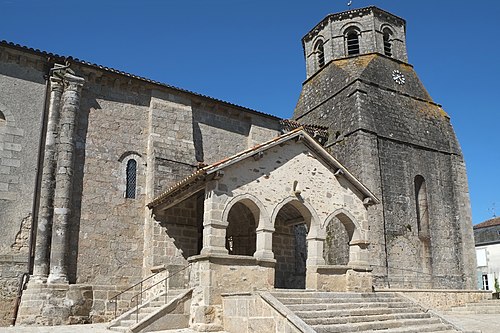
pixel 57 279
pixel 214 250
pixel 39 279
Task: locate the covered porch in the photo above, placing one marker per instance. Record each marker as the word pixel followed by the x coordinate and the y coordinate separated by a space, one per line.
pixel 284 214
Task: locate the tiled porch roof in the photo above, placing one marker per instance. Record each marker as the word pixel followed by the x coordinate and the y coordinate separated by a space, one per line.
pixel 204 173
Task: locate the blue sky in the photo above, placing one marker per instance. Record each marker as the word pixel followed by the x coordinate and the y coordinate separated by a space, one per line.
pixel 249 52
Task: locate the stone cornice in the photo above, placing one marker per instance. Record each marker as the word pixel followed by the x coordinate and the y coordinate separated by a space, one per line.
pixel 351 13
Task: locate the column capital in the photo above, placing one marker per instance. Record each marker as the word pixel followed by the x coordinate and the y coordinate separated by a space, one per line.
pixel 73 82
pixel 56 84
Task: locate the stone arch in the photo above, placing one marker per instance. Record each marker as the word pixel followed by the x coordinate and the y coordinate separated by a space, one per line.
pixel 254 204
pixel 306 210
pixel 6 116
pixel 296 243
pixel 351 25
pixel 351 224
pixel 243 215
pixel 350 238
pixel 390 28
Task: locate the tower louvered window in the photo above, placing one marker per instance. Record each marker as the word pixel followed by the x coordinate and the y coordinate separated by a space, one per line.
pixel 387 43
pixel 131 179
pixel 320 53
pixel 352 40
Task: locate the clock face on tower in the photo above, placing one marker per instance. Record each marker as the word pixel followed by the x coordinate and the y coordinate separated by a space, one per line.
pixel 398 77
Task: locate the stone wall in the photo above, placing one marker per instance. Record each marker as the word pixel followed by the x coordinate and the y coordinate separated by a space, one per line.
pixel 177 234
pixel 444 299
pixel 20 129
pixel 250 313
pixel 387 134
pixel 12 268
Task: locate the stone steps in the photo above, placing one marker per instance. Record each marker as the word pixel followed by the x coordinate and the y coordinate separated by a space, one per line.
pixel 360 312
pixel 363 318
pixel 483 307
pixel 366 311
pixel 131 318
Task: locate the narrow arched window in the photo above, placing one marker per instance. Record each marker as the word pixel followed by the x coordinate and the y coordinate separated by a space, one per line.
pixel 387 42
pixel 2 118
pixel 131 174
pixel 422 206
pixel 320 53
pixel 352 41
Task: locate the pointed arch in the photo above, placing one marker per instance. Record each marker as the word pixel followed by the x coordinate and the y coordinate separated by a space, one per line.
pixel 353 248
pixel 254 204
pixel 351 224
pixel 306 210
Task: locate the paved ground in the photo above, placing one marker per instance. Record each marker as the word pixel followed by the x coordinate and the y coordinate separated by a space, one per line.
pixel 92 328
pixel 487 323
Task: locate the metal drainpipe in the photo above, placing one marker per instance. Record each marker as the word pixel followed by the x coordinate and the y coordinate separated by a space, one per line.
pixel 36 193
pixel 34 208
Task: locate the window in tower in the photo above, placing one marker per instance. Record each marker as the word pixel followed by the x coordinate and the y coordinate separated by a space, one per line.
pixel 352 41
pixel 131 174
pixel 387 42
pixel 320 53
pixel 422 207
pixel 2 118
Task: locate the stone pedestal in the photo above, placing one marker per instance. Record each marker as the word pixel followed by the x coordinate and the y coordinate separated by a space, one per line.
pixel 55 304
pixel 212 275
pixel 339 278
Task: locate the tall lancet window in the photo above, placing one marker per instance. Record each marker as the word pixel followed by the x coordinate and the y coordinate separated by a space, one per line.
pixel 320 53
pixel 422 206
pixel 131 174
pixel 387 42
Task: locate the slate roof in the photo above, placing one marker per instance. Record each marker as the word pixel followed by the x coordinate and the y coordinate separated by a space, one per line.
pixel 489 223
pixel 202 174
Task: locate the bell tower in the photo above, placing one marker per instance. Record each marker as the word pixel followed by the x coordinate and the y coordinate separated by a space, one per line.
pixel 353 33
pixel 385 127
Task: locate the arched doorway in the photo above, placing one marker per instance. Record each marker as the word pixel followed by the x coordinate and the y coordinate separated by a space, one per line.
pixel 344 242
pixel 336 247
pixel 240 233
pixel 292 225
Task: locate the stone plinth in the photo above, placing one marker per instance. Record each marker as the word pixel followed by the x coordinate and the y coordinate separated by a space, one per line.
pixel 339 278
pixel 212 275
pixel 55 304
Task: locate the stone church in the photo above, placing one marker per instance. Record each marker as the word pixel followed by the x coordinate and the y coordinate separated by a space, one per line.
pixel 108 179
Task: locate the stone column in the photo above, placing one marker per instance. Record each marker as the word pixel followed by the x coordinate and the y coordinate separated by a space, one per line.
pixel 64 178
pixel 46 212
pixel 315 251
pixel 358 252
pixel 264 243
pixel 214 228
